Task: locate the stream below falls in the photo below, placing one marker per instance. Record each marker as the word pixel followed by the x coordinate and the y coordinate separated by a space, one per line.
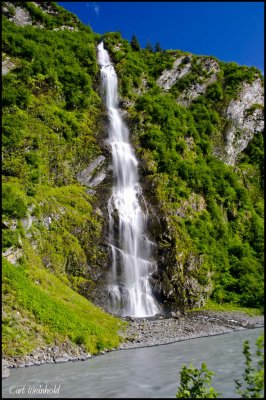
pixel 151 372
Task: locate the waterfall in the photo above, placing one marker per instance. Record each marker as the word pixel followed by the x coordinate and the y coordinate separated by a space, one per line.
pixel 132 264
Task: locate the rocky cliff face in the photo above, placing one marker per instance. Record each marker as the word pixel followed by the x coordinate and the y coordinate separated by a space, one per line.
pixel 246 118
pixel 19 15
pixel 244 113
pixel 182 66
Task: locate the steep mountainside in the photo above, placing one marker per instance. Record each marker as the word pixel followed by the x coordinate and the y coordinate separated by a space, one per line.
pixel 52 230
pixel 196 124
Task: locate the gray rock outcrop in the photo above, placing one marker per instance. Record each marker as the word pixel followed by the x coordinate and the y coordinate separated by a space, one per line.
pixel 169 77
pixel 182 66
pixel 13 254
pixel 211 68
pixel 21 17
pixel 7 65
pixel 93 175
pixel 246 119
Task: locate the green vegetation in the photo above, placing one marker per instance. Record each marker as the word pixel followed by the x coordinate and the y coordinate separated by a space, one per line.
pixel 195 383
pixel 176 144
pixel 253 385
pixel 213 306
pixel 51 311
pixel 210 231
pixel 50 132
pixel 235 74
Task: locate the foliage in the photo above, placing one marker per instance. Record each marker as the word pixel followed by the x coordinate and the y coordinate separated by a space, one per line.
pixel 50 126
pixel 54 309
pixel 227 307
pixel 195 383
pixel 14 201
pixel 177 143
pixel 254 375
pixel 157 47
pixel 135 43
pixel 149 47
pixel 235 74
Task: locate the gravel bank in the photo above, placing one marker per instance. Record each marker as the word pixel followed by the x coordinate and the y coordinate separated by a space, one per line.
pixel 154 332
pixel 145 332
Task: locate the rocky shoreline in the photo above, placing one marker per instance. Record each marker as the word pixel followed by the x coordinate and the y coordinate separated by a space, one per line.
pixel 145 332
pixel 151 332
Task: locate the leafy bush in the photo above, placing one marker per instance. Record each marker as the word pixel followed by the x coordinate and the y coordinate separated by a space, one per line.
pixel 14 201
pixel 195 383
pixel 254 375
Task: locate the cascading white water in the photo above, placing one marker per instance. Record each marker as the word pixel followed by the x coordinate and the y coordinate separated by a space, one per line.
pixel 129 287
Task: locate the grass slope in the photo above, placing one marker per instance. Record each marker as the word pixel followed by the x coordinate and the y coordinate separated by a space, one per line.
pixel 39 308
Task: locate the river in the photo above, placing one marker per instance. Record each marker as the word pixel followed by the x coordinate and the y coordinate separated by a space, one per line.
pixel 151 372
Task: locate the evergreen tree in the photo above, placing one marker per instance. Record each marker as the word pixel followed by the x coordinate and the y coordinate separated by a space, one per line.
pixel 158 48
pixel 149 46
pixel 135 43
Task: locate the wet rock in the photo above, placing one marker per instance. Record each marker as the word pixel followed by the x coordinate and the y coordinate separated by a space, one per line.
pixel 98 179
pixel 194 324
pixel 124 104
pixel 61 359
pixel 94 174
pixel 29 364
pixel 175 314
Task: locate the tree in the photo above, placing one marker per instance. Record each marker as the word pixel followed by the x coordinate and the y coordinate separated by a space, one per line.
pixel 149 46
pixel 158 48
pixel 253 376
pixel 193 383
pixel 135 43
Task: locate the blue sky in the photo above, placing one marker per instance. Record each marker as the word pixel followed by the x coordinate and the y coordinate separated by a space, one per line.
pixel 231 31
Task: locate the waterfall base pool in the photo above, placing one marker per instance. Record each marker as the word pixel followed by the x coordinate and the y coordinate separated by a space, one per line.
pixel 151 372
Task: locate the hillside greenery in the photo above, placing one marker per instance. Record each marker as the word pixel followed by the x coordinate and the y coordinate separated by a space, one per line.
pixel 176 144
pixel 52 128
pixel 41 309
